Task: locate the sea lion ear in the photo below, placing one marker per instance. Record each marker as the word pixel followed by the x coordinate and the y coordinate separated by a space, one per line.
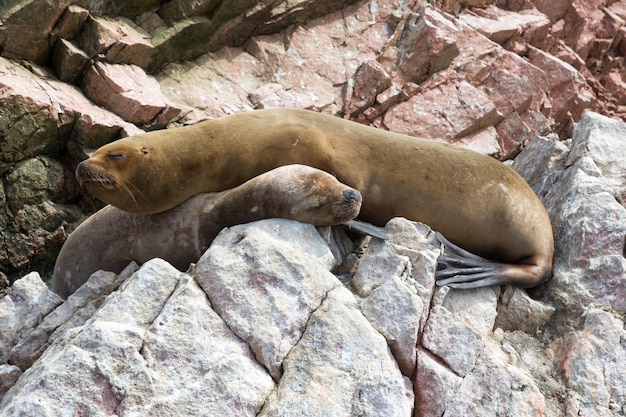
pixel 145 151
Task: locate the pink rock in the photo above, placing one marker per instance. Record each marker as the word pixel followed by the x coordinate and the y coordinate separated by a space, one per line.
pixel 615 86
pixel 71 22
pixel 501 25
pixel 554 9
pixel 129 92
pixel 513 135
pixel 428 45
pixel 120 41
pixel 449 111
pixel 68 62
pixel 369 80
pixel 57 106
pixel 274 95
pixel 568 90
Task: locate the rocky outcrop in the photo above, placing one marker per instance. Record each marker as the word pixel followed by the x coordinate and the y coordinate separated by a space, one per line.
pixel 481 75
pixel 269 322
pixel 279 318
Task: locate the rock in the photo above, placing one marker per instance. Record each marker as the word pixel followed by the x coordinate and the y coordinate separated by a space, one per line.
pixel 74 312
pixel 39 114
pixel 120 41
pixel 278 305
pixel 70 23
pixel 68 61
pixel 9 375
pixel 428 45
pixel 461 110
pixel 329 371
pixel 595 251
pixel 129 92
pixel 517 311
pixel 502 26
pixel 113 361
pixel 486 75
pixel 457 344
pixel 21 309
pixel 370 80
pixel 595 386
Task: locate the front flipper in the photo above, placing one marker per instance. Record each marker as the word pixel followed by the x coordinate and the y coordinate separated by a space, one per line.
pixel 463 269
pixel 366 229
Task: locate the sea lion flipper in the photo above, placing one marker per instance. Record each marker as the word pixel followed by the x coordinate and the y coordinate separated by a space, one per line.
pixel 463 269
pixel 366 229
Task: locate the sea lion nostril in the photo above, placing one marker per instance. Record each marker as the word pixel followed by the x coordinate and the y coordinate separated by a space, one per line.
pixel 352 195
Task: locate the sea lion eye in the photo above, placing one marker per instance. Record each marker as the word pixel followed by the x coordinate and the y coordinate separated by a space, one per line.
pixel 116 156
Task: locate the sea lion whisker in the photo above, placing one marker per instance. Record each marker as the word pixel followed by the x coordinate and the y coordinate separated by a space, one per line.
pixel 124 183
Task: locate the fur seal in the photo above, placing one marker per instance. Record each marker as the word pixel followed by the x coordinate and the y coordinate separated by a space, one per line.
pixel 112 238
pixel 477 202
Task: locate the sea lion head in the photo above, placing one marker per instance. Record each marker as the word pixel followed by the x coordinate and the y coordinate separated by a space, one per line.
pixel 118 173
pixel 314 196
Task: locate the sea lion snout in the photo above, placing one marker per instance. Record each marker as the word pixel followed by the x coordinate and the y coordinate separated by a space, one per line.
pixel 352 195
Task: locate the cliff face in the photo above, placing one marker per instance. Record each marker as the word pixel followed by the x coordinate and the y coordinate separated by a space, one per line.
pixel 278 318
pixel 77 75
pixel 305 336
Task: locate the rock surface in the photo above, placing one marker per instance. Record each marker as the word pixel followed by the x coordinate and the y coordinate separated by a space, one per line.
pixel 278 318
pixel 264 324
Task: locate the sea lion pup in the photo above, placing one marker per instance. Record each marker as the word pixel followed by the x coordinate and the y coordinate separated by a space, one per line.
pixel 112 238
pixel 477 202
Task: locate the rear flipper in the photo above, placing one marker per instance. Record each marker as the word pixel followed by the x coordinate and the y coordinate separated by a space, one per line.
pixel 463 269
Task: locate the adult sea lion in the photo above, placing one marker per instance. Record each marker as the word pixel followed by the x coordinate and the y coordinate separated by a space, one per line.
pixel 112 238
pixel 477 202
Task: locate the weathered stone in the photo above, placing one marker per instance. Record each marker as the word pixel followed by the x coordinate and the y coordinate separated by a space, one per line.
pixel 273 95
pixel 513 135
pixel 567 89
pixel 517 311
pixel 330 372
pixel 129 92
pixel 428 45
pixel 494 388
pixel 281 284
pixel 180 9
pixel 71 22
pixel 74 312
pixel 436 385
pixel 370 80
pixel 592 364
pixel 9 375
pixel 582 193
pixel 68 62
pixel 456 343
pixel 26 27
pixel 38 115
pixel 501 26
pixel 449 111
pixel 208 91
pixel 20 310
pixel 394 310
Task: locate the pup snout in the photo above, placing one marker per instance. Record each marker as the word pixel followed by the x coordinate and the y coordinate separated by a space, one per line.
pixel 353 195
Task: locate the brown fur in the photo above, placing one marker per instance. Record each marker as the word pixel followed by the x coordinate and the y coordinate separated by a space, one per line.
pixel 475 201
pixel 112 238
